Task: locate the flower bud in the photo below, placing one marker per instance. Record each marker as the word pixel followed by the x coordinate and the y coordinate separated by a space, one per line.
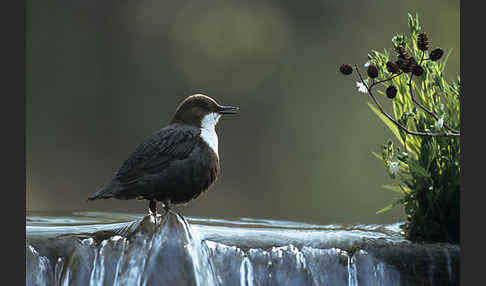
pixel 346 69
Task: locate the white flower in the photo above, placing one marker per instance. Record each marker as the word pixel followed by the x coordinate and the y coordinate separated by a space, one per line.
pixel 367 64
pixel 393 167
pixel 439 123
pixel 361 87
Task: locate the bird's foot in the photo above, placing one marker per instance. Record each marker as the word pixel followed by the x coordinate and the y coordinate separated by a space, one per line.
pixel 153 208
pixel 166 207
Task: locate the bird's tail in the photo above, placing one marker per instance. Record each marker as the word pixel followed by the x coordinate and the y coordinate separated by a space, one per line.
pixel 117 190
pixel 104 193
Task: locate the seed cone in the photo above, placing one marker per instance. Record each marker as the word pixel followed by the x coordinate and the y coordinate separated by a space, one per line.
pixel 346 69
pixel 417 70
pixel 403 65
pixel 412 62
pixel 436 54
pixel 391 91
pixel 402 53
pixel 392 67
pixel 372 71
pixel 423 42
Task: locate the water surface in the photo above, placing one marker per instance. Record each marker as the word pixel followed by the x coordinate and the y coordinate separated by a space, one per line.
pixel 99 248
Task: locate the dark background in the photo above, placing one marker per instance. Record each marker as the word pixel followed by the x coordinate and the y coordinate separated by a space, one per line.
pixel 103 75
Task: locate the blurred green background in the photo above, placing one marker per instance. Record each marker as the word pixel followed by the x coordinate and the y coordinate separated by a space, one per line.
pixel 103 75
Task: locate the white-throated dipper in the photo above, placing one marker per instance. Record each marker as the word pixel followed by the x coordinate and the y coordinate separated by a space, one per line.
pixel 177 163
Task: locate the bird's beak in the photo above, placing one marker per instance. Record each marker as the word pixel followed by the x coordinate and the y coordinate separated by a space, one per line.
pixel 227 109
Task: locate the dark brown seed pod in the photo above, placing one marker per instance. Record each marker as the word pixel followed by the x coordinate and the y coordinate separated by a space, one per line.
pixel 423 42
pixel 436 54
pixel 412 62
pixel 372 71
pixel 403 65
pixel 391 91
pixel 346 69
pixel 417 70
pixel 392 67
pixel 402 53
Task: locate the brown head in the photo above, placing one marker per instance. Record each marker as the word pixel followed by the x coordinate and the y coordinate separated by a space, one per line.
pixel 195 108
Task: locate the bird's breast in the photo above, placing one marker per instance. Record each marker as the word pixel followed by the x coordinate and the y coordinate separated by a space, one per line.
pixel 205 166
pixel 209 136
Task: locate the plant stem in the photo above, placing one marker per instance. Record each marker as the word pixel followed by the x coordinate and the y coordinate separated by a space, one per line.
pixel 393 120
pixel 384 80
pixel 420 105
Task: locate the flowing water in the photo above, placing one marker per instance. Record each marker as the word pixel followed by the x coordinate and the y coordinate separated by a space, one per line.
pixel 121 249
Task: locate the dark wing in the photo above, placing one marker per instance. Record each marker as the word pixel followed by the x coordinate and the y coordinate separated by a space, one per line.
pixel 156 153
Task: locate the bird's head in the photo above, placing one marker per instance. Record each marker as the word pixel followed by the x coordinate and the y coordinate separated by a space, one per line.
pixel 201 110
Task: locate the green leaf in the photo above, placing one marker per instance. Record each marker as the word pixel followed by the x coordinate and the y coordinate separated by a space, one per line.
pixel 398 189
pixel 387 121
pixel 377 156
pixel 392 188
pixel 444 61
pixel 387 208
pixel 416 169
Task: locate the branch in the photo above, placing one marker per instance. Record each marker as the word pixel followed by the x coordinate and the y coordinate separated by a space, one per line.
pixel 384 80
pixel 423 107
pixel 393 120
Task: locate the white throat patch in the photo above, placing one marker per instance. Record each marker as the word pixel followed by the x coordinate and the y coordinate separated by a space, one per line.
pixel 208 133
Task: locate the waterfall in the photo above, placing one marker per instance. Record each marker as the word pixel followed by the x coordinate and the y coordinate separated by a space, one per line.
pixel 168 250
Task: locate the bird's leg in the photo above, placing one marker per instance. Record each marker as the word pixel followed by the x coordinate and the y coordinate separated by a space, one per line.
pixel 166 206
pixel 153 207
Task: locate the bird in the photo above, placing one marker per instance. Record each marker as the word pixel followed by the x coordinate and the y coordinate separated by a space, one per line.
pixel 175 164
